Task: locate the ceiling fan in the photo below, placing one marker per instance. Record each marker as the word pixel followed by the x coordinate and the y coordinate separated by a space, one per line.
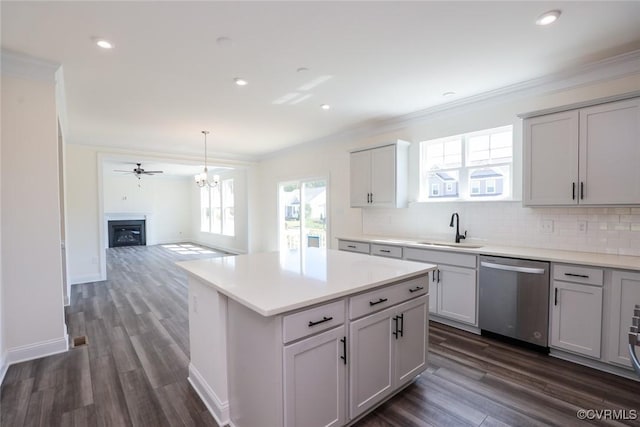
pixel 138 171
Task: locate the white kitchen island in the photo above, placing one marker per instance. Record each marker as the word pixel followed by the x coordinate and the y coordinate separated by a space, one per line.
pixel 311 338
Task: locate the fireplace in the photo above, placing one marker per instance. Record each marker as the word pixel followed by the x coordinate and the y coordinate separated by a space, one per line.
pixel 127 233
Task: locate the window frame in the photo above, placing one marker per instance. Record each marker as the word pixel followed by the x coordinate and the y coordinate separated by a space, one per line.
pixel 466 169
pixel 212 192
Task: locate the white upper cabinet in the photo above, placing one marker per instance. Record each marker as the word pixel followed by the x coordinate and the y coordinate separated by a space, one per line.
pixel 586 156
pixel 379 176
pixel 551 159
pixel 610 153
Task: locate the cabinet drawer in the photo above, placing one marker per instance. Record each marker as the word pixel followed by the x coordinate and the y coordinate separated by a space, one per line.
pixel 347 245
pixel 440 257
pixel 578 274
pixel 308 322
pixel 385 250
pixel 388 296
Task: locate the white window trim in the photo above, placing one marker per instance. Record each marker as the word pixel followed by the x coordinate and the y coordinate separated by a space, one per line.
pixel 464 190
pixel 210 214
pixel 300 180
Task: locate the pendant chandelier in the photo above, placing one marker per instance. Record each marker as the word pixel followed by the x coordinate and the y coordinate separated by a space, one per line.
pixel 202 179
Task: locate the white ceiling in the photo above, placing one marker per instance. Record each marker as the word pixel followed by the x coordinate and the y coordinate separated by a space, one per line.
pixel 167 78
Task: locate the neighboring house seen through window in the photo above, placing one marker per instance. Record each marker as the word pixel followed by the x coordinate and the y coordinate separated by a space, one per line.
pixel 475 165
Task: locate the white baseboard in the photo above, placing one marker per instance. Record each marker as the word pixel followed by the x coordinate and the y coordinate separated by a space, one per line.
pixel 216 248
pixel 3 366
pixel 87 278
pixel 37 350
pixel 595 364
pixel 453 323
pixel 217 408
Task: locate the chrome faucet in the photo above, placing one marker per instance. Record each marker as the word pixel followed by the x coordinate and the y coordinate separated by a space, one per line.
pixel 458 235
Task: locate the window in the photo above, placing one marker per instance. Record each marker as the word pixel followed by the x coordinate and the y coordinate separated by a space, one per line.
pixel 303 214
pixel 216 208
pixel 471 166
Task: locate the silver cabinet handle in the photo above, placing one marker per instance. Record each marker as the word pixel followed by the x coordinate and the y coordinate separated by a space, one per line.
pixel 512 268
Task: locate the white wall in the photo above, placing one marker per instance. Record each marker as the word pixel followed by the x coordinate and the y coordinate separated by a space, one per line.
pixel 330 160
pixel 83 243
pixel 238 243
pixel 165 199
pixel 3 347
pixel 84 209
pixel 612 230
pixel 32 302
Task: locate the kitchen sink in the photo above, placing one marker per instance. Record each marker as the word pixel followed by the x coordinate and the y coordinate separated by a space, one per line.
pixel 452 245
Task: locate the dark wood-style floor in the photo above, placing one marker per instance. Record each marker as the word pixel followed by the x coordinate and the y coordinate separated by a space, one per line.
pixel 133 370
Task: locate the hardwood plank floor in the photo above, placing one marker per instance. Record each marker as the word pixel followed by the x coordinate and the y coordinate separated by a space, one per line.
pixel 133 370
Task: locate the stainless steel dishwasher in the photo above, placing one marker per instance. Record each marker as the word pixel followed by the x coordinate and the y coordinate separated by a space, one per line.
pixel 514 299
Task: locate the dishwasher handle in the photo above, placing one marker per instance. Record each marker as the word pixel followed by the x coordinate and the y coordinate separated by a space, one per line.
pixel 505 267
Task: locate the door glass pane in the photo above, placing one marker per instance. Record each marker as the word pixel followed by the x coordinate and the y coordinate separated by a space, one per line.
pixel 314 214
pixel 289 201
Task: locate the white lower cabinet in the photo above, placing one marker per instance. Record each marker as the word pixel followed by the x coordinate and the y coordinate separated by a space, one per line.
pixel 625 293
pixel 327 364
pixel 576 317
pixel 453 286
pixel 315 373
pixel 387 349
pixel 457 293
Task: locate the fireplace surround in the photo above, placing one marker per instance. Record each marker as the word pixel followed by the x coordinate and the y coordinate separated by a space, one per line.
pixel 127 233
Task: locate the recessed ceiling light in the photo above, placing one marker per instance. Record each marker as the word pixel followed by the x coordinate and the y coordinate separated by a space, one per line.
pixel 548 17
pixel 325 106
pixel 224 41
pixel 105 44
pixel 240 82
pixel 448 94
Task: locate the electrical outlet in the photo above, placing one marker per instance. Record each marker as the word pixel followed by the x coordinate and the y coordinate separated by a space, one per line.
pixel 546 226
pixel 582 227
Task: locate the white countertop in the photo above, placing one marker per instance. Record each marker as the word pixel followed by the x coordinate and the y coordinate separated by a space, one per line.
pixel 553 255
pixel 276 282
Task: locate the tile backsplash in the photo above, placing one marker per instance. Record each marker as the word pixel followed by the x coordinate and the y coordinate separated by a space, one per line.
pixel 611 230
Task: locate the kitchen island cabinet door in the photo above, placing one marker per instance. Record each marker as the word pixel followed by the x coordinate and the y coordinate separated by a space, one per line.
pixel 457 293
pixel 370 359
pixel 576 318
pixel 315 380
pixel 411 342
pixel 625 294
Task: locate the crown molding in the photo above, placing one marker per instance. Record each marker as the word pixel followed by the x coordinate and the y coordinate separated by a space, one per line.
pixel 24 66
pixel 588 74
pixel 611 68
pixel 168 157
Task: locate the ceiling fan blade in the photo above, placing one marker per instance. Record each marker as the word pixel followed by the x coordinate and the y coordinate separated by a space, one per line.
pixel 148 172
pixel 119 170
